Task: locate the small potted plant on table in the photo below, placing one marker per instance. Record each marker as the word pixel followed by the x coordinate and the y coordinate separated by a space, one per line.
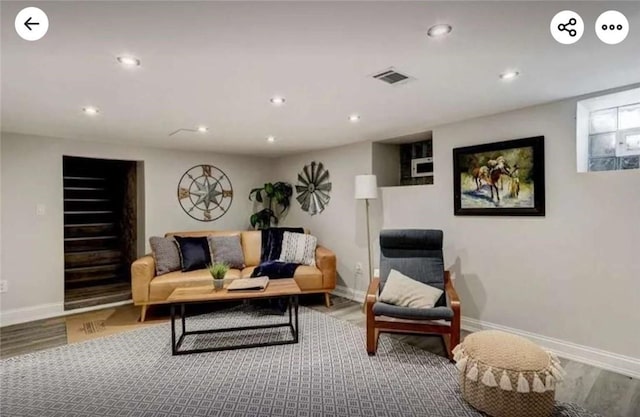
pixel 218 270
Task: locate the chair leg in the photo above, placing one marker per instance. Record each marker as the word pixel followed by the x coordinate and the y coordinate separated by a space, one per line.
pixel 454 336
pixel 372 333
pixel 372 341
pixel 143 313
pixel 327 299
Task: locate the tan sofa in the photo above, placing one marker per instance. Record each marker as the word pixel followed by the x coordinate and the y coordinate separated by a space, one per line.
pixel 147 288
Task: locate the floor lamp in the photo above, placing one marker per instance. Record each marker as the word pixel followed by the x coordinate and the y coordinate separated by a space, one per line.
pixel 367 189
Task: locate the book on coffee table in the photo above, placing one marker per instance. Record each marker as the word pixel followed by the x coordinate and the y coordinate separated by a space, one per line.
pixel 249 284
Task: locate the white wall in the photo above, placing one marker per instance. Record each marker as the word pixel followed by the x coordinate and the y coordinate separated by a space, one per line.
pixel 573 275
pixel 341 226
pixel 385 163
pixel 31 173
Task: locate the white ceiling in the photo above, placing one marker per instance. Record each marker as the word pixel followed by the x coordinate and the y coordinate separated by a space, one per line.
pixel 217 64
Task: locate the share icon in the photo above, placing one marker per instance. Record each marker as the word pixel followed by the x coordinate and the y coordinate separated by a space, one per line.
pixel 567 27
pixel 563 27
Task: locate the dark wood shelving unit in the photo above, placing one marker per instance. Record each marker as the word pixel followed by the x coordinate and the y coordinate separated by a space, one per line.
pixel 99 243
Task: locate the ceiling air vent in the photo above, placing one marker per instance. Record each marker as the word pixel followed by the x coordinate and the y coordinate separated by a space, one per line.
pixel 393 77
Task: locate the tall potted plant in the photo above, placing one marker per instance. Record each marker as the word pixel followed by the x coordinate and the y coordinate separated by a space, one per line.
pixel 275 200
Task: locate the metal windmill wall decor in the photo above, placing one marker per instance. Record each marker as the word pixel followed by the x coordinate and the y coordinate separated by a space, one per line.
pixel 313 188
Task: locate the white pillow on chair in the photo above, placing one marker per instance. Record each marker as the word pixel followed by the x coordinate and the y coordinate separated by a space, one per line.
pixel 403 291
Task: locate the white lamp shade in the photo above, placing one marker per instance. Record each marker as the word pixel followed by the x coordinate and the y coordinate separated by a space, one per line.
pixel 366 187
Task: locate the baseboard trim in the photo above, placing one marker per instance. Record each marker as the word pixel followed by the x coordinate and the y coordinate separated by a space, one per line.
pixel 349 293
pixel 48 311
pixel 26 314
pixel 624 365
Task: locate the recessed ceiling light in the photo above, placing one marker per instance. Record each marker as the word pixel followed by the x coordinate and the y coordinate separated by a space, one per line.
pixel 439 30
pixel 354 118
pixel 90 110
pixel 129 61
pixel 271 139
pixel 278 101
pixel 509 75
pixel 203 129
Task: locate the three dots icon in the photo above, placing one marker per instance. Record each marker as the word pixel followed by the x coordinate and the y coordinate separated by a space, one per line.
pixel 612 27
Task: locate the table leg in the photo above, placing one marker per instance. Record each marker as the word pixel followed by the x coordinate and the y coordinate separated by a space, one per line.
pixel 182 314
pixel 295 306
pixel 173 329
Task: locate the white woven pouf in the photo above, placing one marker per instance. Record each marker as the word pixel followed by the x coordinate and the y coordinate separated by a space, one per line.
pixel 505 375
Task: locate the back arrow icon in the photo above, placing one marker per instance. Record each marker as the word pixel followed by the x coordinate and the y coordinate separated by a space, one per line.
pixel 28 23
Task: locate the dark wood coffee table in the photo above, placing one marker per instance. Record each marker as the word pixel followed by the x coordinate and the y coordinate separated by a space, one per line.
pixel 277 288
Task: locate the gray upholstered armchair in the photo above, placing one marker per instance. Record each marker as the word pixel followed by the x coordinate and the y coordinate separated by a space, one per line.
pixel 417 254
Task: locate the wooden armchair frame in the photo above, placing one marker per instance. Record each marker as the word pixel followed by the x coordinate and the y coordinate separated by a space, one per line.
pixel 375 325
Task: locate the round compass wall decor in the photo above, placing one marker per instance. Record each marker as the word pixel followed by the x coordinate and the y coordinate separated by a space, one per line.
pixel 205 193
pixel 313 188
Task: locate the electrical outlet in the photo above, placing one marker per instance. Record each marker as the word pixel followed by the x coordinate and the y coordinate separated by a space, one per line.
pixel 41 210
pixel 358 267
pixel 4 286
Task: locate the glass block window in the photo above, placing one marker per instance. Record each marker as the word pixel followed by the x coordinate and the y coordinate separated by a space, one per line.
pixel 614 138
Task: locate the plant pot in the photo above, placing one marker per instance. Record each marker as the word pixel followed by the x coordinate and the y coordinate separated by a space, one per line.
pixel 218 284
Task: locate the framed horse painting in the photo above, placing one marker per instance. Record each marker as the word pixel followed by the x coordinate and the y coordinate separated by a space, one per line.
pixel 500 178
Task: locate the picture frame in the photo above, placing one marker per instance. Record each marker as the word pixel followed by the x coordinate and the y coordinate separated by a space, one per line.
pixel 500 178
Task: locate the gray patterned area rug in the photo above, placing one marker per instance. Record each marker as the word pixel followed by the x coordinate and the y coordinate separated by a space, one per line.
pixel 327 374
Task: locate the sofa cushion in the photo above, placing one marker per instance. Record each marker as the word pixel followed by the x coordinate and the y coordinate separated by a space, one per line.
pixel 308 278
pixel 251 246
pixel 298 248
pixel 246 272
pixel 165 254
pixel 227 249
pixel 161 287
pixel 194 252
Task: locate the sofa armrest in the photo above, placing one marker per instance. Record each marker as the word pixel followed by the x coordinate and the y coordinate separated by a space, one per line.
pixel 326 263
pixel 143 270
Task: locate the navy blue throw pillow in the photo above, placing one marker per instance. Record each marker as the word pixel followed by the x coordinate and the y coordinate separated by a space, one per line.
pixel 194 252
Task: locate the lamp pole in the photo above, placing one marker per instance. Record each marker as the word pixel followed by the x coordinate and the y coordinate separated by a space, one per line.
pixel 369 244
pixel 366 188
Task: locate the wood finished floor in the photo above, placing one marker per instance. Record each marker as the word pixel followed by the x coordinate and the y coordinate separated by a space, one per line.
pixel 597 390
pixel 95 295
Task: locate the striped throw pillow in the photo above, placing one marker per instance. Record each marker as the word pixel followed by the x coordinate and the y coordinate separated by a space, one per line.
pixel 298 248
